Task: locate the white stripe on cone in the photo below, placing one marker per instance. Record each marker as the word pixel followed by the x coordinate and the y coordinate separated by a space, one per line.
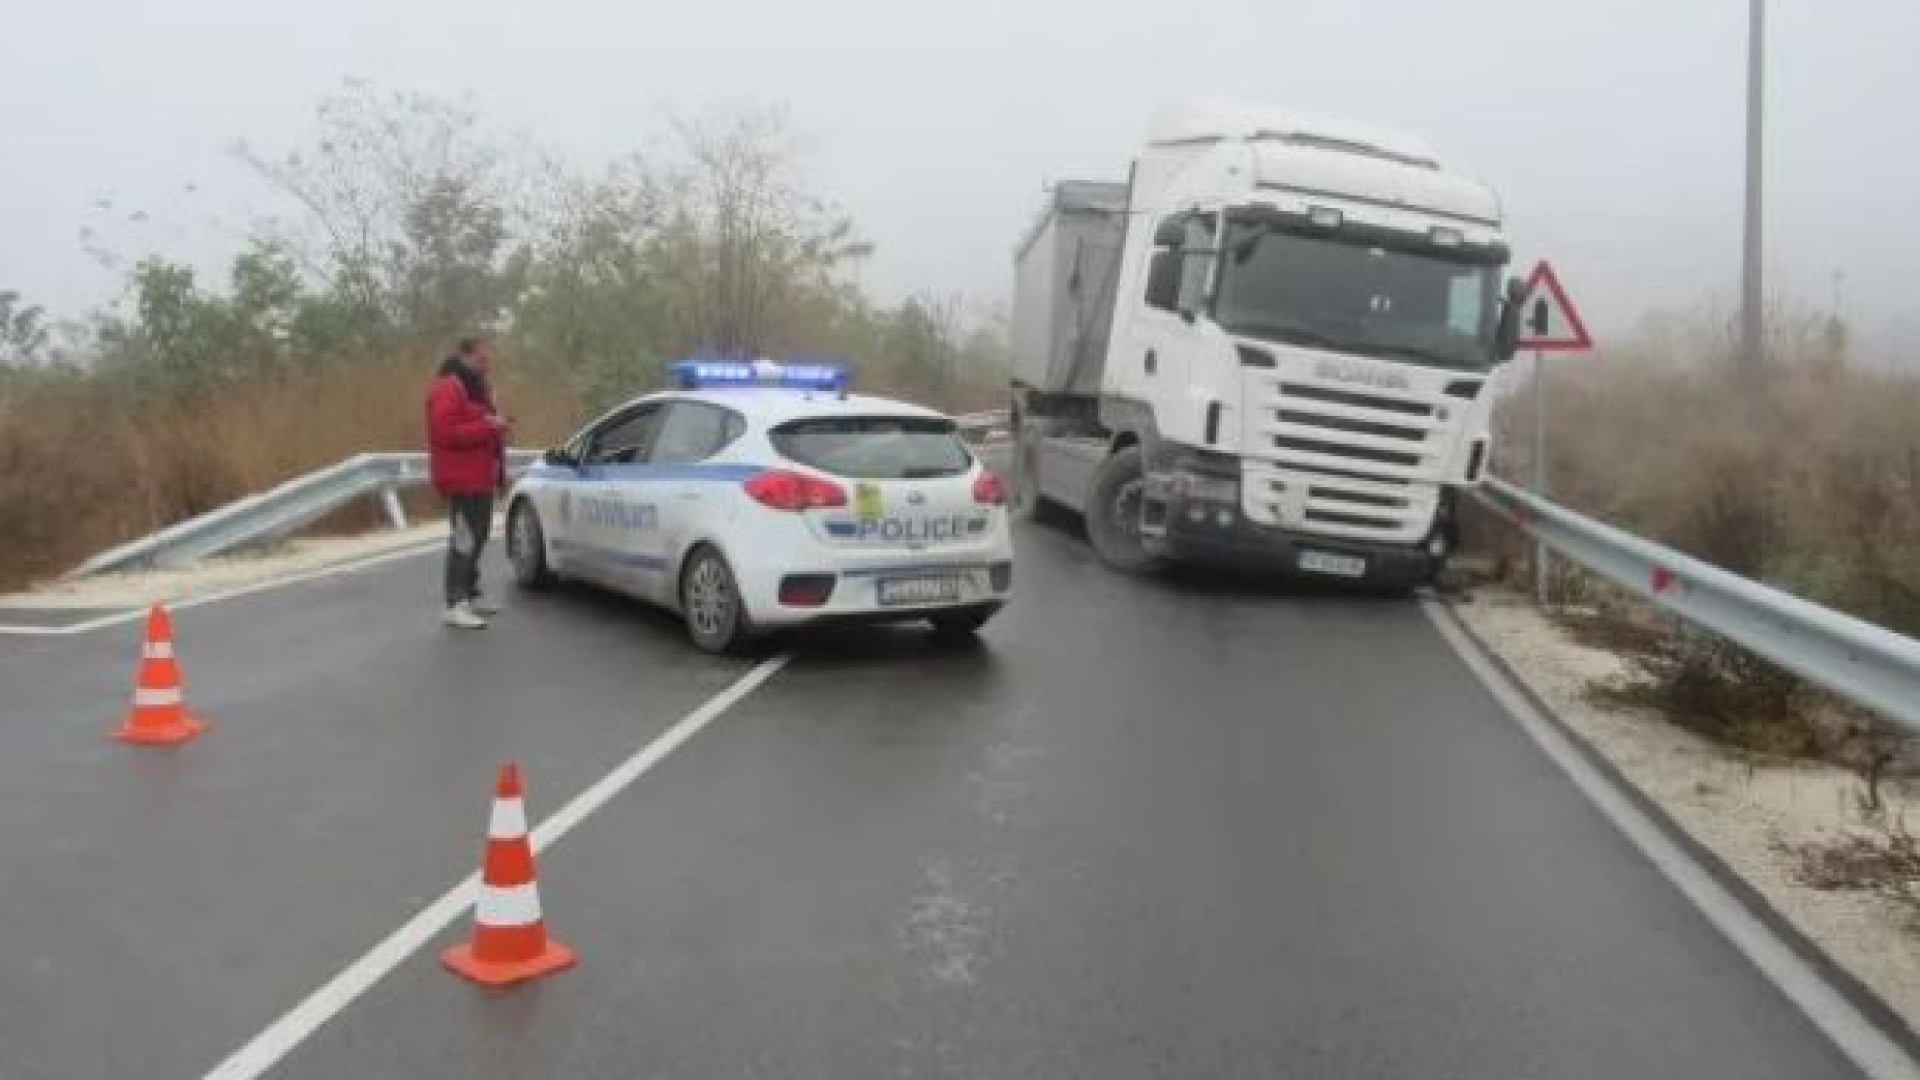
pixel 508 821
pixel 145 698
pixel 509 905
pixel 157 650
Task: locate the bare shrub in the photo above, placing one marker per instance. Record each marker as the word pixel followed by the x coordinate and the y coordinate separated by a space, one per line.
pixel 1807 478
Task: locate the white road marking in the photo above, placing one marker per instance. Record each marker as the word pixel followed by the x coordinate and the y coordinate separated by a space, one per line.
pixel 285 1034
pixel 1859 1038
pixel 234 593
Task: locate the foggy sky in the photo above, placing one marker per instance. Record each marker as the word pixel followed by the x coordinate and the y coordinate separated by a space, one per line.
pixel 1612 128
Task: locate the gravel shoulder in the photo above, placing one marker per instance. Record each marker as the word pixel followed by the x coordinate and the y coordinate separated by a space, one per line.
pixel 1740 808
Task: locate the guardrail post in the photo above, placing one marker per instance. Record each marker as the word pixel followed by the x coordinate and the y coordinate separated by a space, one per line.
pixel 396 513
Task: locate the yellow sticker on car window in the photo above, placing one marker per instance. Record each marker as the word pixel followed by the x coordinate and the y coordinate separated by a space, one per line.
pixel 866 502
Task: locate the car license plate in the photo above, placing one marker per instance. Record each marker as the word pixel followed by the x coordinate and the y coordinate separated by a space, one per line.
pixel 1321 562
pixel 919 590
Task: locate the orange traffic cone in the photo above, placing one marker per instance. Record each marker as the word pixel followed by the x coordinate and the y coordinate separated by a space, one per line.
pixel 510 942
pixel 159 716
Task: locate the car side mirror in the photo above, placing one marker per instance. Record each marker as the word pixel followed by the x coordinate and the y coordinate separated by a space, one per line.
pixel 558 456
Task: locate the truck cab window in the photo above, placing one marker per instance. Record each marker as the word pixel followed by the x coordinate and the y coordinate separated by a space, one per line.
pixel 1196 263
pixel 1163 279
pixel 1177 275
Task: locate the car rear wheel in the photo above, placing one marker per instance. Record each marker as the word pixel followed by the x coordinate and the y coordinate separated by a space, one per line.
pixel 959 624
pixel 710 604
pixel 527 547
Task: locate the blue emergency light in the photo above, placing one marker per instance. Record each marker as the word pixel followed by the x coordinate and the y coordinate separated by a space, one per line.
pixel 726 374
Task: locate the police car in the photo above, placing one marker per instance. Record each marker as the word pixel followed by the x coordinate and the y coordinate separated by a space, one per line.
pixel 759 496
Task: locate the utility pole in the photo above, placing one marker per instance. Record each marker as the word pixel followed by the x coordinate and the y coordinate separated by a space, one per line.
pixel 1752 343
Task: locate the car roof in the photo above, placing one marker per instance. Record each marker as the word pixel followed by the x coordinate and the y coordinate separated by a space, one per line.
pixel 767 405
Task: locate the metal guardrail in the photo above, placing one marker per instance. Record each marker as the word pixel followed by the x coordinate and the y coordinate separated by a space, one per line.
pixel 1868 664
pixel 278 511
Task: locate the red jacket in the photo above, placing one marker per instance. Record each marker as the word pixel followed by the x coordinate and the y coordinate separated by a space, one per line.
pixel 463 447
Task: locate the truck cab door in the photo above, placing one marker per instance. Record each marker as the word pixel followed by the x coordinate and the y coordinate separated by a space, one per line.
pixel 1166 330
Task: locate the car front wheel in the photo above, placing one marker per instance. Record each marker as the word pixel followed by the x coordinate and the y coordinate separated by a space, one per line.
pixel 527 547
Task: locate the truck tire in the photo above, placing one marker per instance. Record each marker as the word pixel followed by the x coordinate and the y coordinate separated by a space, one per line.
pixel 1113 515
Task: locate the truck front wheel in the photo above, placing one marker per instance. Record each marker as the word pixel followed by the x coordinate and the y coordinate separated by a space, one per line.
pixel 1113 514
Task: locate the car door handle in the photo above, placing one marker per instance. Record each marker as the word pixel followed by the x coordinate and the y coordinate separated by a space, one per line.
pixel 1153 361
pixel 690 496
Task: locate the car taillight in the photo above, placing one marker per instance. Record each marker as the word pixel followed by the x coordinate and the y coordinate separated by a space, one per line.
pixel 784 490
pixel 988 490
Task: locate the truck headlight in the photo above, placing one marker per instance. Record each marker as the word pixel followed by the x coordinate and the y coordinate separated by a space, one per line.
pixel 1214 489
pixel 1206 478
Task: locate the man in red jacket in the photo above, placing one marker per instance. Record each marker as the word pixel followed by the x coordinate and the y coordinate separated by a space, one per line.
pixel 466 455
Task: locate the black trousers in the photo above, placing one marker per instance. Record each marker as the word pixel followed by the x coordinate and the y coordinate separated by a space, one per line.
pixel 469 520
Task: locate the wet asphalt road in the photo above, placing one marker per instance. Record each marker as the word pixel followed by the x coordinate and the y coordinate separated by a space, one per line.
pixel 1179 830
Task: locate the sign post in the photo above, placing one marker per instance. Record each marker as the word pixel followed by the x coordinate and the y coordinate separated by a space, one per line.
pixel 1549 323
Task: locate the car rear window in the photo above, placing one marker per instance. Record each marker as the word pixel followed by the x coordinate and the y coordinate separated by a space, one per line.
pixel 874 447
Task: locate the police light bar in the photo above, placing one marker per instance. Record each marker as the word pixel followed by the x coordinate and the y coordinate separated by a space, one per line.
pixel 723 374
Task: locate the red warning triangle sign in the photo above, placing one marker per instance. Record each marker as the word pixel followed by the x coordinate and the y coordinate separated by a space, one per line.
pixel 1548 320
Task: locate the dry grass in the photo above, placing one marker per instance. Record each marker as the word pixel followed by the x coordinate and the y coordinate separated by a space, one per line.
pixel 1807 478
pixel 1883 859
pixel 85 464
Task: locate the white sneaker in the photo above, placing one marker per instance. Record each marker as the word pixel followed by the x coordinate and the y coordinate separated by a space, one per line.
pixel 461 616
pixel 483 607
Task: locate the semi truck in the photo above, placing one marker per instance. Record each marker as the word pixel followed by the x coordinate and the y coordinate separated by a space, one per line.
pixel 1270 347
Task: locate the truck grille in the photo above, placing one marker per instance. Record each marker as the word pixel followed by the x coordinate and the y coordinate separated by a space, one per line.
pixel 1344 461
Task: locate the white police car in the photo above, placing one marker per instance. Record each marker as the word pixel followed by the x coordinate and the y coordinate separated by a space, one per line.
pixel 760 496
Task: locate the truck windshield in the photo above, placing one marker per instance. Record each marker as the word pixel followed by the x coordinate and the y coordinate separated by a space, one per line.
pixel 1326 292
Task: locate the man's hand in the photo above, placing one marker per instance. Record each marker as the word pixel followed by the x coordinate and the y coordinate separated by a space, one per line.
pixel 502 424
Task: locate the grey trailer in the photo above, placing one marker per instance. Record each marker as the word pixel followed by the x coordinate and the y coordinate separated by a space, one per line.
pixel 1065 273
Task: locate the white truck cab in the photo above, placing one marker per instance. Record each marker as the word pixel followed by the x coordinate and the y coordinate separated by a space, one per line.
pixel 1271 346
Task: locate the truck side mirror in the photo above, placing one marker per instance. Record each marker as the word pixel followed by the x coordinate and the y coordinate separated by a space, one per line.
pixel 1163 280
pixel 1506 335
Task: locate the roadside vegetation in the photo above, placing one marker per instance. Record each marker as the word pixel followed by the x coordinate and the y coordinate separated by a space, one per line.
pixel 1806 476
pixel 408 222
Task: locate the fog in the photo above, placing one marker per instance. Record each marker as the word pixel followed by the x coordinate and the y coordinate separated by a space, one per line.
pixel 1612 128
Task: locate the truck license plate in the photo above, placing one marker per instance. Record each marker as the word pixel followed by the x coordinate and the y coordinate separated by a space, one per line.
pixel 920 590
pixel 1321 562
